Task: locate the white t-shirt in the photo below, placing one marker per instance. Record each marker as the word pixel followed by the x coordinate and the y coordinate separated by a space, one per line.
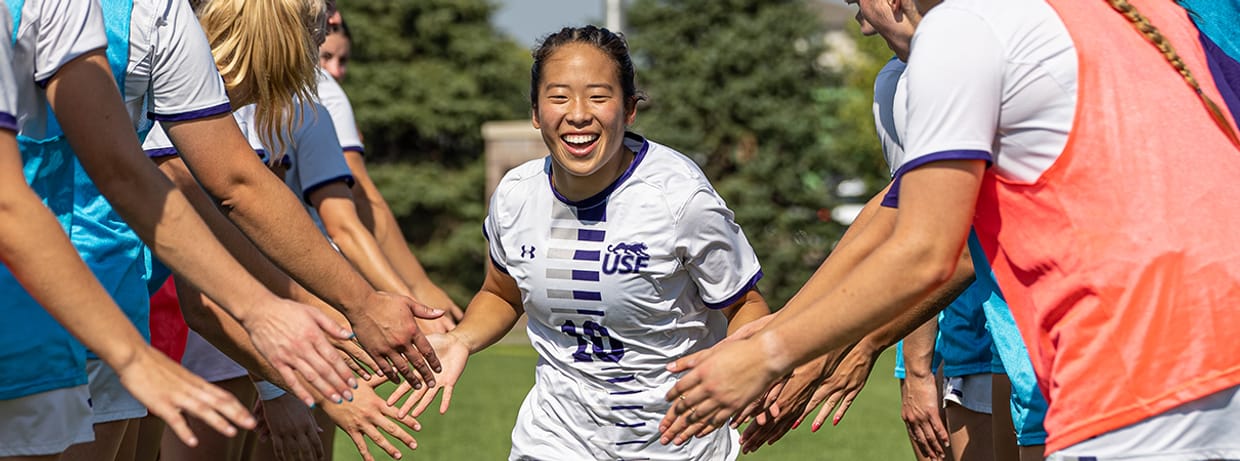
pixel 51 33
pixel 992 81
pixel 891 110
pixel 615 287
pixel 8 83
pixel 332 96
pixel 171 74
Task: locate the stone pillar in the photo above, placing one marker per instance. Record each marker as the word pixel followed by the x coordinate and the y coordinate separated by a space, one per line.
pixel 509 143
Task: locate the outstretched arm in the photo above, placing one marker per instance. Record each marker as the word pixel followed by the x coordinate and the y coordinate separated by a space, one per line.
pixel 263 207
pixel 490 315
pixel 35 248
pixel 936 208
pixel 375 213
pixel 89 107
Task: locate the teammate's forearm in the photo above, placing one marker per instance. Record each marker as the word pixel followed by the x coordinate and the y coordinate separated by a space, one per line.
pixel 858 242
pixel 376 215
pixel 229 235
pixel 88 106
pixel 266 211
pixel 36 250
pixel 919 349
pixel 339 217
pixel 923 314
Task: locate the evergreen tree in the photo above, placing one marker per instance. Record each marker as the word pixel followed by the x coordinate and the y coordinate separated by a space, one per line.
pixel 736 85
pixel 424 76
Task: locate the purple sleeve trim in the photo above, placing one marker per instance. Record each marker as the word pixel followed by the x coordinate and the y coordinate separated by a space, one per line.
pixel 191 115
pixel 161 152
pixel 892 199
pixel 305 194
pixel 8 121
pixel 753 282
pixel 357 149
pixel 494 262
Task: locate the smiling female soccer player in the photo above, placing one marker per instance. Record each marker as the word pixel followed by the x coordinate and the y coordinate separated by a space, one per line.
pixel 622 255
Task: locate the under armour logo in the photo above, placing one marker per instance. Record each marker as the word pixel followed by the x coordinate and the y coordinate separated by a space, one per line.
pixel 527 251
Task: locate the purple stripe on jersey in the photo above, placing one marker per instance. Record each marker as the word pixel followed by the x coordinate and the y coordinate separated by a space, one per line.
pixel 602 195
pixel 624 392
pixel 223 108
pixel 161 152
pixel 631 442
pixel 589 235
pixel 357 149
pixel 630 424
pixel 589 312
pixel 587 255
pixel 1226 72
pixel 892 199
pixel 627 407
pixel 621 379
pixel 587 295
pixel 305 195
pixel 589 276
pixel 8 121
pixel 753 281
pixel 597 213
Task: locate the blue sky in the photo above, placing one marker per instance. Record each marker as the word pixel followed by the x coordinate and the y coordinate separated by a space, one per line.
pixel 527 20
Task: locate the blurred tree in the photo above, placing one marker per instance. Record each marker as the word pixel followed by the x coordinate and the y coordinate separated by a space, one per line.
pixel 424 76
pixel 737 85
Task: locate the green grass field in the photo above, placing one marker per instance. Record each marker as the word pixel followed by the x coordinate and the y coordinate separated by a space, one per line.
pixel 487 398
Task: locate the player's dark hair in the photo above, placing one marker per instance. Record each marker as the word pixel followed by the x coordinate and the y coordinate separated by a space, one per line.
pixel 342 28
pixel 610 43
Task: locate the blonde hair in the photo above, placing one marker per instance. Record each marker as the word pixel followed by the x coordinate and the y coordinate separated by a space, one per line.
pixel 1156 38
pixel 268 51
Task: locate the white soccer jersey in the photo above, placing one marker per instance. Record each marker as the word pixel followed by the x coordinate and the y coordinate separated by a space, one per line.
pixel 8 84
pixel 313 153
pixel 616 286
pixel 332 96
pixel 171 74
pixel 890 111
pixel 49 35
pixel 993 81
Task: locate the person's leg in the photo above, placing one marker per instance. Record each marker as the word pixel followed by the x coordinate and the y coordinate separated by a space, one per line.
pixel 106 447
pixel 41 426
pixel 1004 431
pixel 1033 453
pixel 212 446
pixel 150 435
pixel 968 417
pixel 114 409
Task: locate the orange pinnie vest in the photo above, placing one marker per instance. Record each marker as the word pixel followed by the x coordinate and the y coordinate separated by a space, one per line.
pixel 1121 264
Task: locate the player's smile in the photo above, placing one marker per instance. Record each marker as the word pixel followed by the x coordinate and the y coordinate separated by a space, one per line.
pixel 580 144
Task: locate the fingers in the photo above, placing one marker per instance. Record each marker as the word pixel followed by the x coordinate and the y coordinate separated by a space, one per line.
pixel 354 366
pixel 324 379
pixel 689 361
pixel 337 367
pixel 295 385
pixel 362 448
pixel 398 393
pixel 375 436
pixel 422 403
pixel 843 408
pixel 329 326
pixel 447 400
pixel 178 425
pixel 424 347
pixel 423 311
pixel 408 363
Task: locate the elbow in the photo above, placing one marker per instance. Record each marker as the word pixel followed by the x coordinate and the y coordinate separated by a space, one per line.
pixel 931 263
